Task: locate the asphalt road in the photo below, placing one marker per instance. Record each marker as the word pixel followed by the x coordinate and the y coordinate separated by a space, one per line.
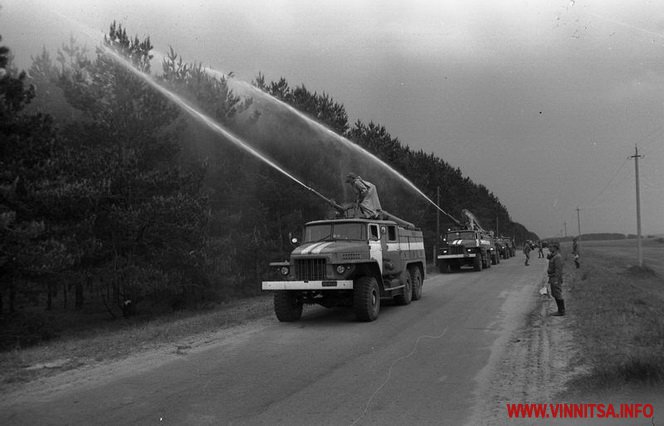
pixel 425 363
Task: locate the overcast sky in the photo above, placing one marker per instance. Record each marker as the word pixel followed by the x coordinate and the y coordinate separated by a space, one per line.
pixel 541 101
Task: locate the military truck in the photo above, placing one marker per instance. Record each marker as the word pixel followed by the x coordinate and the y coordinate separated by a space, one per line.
pixel 351 261
pixel 510 247
pixel 494 251
pixel 465 247
pixel 470 245
pixel 502 248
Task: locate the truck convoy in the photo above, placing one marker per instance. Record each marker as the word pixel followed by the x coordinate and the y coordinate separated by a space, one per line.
pixel 357 261
pixel 351 261
pixel 468 246
pixel 505 247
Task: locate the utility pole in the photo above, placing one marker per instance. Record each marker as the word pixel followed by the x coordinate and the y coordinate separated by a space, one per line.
pixel 636 157
pixel 578 222
pixel 565 224
pixel 435 246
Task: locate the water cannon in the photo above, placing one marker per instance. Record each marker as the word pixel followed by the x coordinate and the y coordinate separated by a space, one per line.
pixel 401 222
pixel 336 206
pixel 350 210
pixel 473 223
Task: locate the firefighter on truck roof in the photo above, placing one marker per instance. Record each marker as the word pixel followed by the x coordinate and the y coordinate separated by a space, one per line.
pixel 367 196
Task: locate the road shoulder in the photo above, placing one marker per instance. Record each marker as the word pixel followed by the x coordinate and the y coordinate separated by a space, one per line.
pixel 530 364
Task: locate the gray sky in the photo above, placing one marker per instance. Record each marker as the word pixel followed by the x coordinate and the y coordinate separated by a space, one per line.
pixel 541 101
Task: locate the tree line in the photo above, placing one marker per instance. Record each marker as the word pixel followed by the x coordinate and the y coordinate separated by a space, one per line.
pixel 112 199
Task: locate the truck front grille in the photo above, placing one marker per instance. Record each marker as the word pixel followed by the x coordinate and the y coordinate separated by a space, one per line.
pixel 456 249
pixel 310 269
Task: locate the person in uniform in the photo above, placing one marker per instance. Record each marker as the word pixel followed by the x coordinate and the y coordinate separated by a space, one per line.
pixel 526 251
pixel 367 196
pixel 575 251
pixel 555 273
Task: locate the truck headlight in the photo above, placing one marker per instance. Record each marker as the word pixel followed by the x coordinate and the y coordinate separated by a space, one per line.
pixel 341 269
pixel 284 270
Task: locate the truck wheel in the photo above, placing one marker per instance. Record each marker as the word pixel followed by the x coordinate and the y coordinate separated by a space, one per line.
pixel 286 306
pixel 494 259
pixel 366 299
pixel 477 262
pixel 407 295
pixel 416 279
pixel 444 267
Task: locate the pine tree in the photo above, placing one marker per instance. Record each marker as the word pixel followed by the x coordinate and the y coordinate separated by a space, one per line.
pixel 28 250
pixel 148 212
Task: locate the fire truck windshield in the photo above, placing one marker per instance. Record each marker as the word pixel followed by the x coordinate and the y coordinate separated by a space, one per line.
pixel 461 235
pixel 335 231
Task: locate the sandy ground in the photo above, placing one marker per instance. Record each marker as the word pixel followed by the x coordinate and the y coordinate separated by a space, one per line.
pixel 531 367
pixel 63 374
pixel 518 369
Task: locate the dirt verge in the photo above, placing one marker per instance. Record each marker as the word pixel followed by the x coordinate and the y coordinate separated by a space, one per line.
pixel 555 360
pixel 59 365
pixel 533 364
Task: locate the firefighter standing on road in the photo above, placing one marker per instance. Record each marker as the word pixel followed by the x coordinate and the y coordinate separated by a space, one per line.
pixel 555 273
pixel 367 196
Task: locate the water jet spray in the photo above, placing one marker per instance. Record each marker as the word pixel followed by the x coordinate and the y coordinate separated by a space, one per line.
pixel 319 126
pixel 209 122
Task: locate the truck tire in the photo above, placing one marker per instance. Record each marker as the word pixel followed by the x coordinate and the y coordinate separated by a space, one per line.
pixel 366 299
pixel 407 295
pixel 286 306
pixel 416 279
pixel 494 259
pixel 477 262
pixel 444 267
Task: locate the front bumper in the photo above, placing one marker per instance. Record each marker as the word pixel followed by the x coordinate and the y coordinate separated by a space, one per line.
pixel 308 285
pixel 456 256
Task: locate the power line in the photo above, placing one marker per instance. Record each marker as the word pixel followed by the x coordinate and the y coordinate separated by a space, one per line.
pixel 574 213
pixel 609 182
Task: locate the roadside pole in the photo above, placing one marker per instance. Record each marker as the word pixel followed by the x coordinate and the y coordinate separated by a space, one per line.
pixel 636 157
pixel 435 245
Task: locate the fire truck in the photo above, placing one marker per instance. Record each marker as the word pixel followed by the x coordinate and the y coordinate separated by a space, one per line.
pixel 350 261
pixel 470 245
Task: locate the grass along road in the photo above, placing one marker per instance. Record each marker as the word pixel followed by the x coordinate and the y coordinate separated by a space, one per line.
pixel 609 348
pixel 617 315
